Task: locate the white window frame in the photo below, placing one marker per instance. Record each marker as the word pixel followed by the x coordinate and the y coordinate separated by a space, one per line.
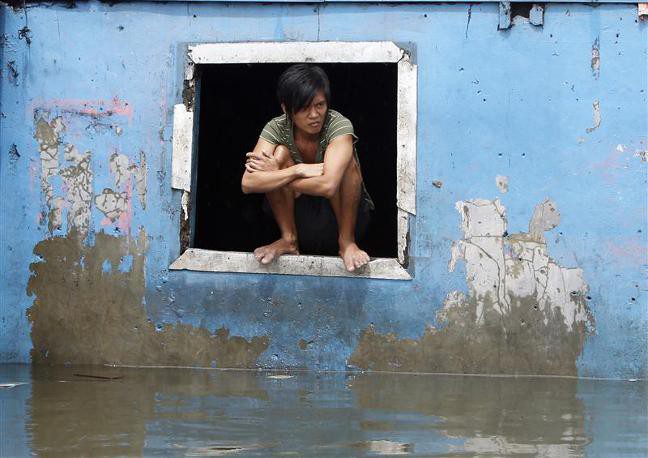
pixel 292 52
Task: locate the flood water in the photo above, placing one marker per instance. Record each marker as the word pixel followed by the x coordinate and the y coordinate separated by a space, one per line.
pixel 68 412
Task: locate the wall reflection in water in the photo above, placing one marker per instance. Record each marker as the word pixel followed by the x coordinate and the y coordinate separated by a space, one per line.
pixel 175 412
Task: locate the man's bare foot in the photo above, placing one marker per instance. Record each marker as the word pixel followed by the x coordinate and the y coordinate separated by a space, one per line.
pixel 353 257
pixel 268 253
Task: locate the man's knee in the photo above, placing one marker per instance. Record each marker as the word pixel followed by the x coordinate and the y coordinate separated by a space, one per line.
pixel 283 157
pixel 353 174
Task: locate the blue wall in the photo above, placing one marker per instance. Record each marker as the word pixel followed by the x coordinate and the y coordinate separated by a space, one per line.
pixel 518 103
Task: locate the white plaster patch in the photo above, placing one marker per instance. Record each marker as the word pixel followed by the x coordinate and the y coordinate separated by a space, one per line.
pixel 406 137
pixel 78 180
pixel 182 147
pixel 386 447
pixel 500 446
pixel 545 217
pixel 48 137
pixel 119 168
pixel 596 116
pixel 57 204
pixel 139 173
pixel 482 217
pixel 271 52
pixel 403 235
pixel 75 170
pixel 502 183
pixel 517 266
pixel 596 59
pixel 325 266
pixel 185 205
pixel 111 203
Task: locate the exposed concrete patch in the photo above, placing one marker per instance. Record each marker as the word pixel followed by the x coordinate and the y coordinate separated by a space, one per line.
pixel 85 315
pixel 502 183
pixel 524 313
pixel 596 116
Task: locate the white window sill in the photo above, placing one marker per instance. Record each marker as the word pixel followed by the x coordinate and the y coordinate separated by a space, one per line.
pixel 321 266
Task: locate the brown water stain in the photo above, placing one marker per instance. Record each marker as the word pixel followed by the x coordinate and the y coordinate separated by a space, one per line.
pixel 89 311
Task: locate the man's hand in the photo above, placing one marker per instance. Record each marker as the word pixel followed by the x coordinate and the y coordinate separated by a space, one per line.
pixel 309 170
pixel 264 162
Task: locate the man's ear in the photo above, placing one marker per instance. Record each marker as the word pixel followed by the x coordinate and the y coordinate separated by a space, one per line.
pixel 283 107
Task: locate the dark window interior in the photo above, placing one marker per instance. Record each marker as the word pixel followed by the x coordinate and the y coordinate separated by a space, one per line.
pixel 236 100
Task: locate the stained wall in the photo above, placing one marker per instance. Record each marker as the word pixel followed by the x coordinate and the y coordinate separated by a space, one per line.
pixel 528 249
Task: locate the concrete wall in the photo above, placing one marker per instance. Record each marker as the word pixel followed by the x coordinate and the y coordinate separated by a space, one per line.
pixel 528 244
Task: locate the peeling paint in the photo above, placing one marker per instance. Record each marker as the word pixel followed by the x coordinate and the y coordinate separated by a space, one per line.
pixel 78 180
pixel 25 34
pixel 536 14
pixel 14 157
pixel 545 217
pixel 116 204
pixel 502 183
pixel 75 170
pixel 596 58
pixel 596 116
pixel 112 204
pixel 523 313
pixel 86 315
pixel 13 73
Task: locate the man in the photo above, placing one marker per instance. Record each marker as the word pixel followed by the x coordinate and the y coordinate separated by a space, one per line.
pixel 305 163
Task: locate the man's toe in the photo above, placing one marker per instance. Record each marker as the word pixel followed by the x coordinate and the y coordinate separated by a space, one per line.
pixel 267 259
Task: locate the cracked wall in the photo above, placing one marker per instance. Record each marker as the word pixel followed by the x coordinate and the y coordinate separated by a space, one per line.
pixel 523 314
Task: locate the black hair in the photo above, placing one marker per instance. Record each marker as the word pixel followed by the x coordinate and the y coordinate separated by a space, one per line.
pixel 298 85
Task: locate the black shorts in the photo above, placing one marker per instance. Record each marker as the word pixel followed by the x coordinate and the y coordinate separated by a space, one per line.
pixel 317 229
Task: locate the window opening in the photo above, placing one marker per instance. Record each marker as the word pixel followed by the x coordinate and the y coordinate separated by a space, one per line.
pixel 236 100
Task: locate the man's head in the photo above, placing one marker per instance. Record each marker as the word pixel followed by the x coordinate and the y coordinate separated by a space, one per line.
pixel 304 94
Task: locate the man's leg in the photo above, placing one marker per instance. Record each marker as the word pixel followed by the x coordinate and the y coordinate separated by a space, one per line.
pixel 282 202
pixel 345 206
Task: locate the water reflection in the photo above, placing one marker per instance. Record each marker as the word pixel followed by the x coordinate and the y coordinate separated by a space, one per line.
pixel 177 412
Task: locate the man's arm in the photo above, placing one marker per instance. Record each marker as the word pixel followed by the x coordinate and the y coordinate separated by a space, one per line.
pixel 263 174
pixel 336 160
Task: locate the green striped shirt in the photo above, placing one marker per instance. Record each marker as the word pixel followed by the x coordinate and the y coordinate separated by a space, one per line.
pixel 279 131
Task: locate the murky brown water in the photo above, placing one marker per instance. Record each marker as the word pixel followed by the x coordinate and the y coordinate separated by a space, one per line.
pixel 182 412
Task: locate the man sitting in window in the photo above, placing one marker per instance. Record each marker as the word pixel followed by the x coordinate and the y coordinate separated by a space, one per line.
pixel 306 164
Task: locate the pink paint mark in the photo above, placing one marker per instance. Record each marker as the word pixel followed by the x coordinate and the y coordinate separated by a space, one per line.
pixel 106 221
pixel 611 167
pixel 97 108
pixel 630 252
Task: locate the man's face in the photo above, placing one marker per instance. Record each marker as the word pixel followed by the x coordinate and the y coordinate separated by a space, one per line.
pixel 311 119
